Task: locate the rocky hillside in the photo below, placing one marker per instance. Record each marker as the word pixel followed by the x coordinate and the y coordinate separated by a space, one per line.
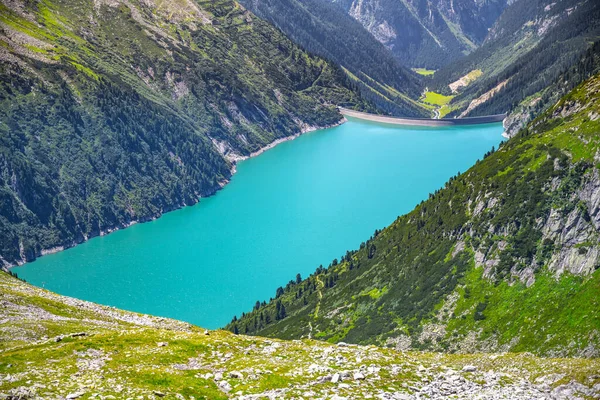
pixel 426 33
pixel 524 61
pixel 54 347
pixel 117 111
pixel 326 30
pixel 505 257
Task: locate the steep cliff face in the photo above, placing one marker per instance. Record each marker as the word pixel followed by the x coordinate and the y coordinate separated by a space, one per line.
pixel 505 257
pixel 111 111
pixel 427 33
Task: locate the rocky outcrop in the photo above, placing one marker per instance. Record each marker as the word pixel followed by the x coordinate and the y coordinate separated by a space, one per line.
pixel 577 235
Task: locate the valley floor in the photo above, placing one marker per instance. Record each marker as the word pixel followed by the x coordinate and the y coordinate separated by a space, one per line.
pixel 55 347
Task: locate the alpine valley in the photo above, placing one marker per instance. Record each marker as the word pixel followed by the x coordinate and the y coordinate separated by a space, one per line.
pixel 114 112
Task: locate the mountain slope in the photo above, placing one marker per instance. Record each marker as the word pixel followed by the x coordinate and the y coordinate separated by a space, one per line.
pixel 530 46
pixel 115 112
pixel 526 110
pixel 324 29
pixel 426 33
pixel 505 257
pixel 54 347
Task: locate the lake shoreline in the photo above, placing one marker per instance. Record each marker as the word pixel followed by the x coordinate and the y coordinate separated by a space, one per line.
pixel 234 160
pixel 304 129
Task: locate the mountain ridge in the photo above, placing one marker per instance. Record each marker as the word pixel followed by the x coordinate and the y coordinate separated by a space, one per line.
pixel 529 48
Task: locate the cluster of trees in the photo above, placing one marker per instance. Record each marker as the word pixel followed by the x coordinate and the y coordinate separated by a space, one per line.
pixel 588 65
pixel 15 275
pixel 261 315
pixel 298 293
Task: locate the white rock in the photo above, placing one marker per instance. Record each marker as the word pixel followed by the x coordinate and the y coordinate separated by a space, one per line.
pixel 236 375
pixel 218 376
pixel 373 370
pixel 469 368
pixel 225 386
pixel 336 397
pixel 335 378
pixel 358 376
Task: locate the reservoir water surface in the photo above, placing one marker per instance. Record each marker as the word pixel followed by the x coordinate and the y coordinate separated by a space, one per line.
pixel 284 212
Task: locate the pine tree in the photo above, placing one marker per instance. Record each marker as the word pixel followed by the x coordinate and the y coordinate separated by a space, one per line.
pixel 279 292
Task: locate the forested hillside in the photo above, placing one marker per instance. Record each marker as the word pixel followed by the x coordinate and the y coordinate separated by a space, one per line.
pixel 505 257
pixel 117 111
pixel 326 30
pixel 426 34
pixel 528 49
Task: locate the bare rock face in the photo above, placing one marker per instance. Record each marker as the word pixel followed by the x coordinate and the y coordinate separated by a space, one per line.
pixel 573 229
pixel 580 261
pixel 576 234
pixel 590 194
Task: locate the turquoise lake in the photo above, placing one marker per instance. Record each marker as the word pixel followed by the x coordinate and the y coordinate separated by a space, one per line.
pixel 299 205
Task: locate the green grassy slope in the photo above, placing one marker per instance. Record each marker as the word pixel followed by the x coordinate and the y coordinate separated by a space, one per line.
pixel 54 347
pixel 113 112
pixel 505 257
